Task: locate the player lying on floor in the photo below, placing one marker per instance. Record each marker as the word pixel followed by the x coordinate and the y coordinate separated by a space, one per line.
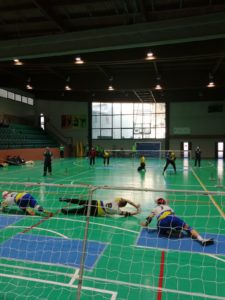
pixel 100 208
pixel 170 225
pixel 24 201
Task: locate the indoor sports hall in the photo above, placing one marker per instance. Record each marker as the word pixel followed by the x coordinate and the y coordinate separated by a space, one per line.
pixel 112 150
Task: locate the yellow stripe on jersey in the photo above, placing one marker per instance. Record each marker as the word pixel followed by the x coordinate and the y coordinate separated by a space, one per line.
pixel 101 211
pixel 164 215
pixel 19 196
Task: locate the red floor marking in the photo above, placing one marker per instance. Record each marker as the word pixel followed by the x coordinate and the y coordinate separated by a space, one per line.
pixel 161 274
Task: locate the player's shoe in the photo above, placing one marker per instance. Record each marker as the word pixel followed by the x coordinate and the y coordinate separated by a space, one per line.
pixel 207 242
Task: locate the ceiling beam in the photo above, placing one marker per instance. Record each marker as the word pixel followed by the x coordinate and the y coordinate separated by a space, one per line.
pixel 48 11
pixel 206 27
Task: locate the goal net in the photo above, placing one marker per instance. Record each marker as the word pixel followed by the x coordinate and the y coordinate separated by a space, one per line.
pixel 77 255
pixel 150 154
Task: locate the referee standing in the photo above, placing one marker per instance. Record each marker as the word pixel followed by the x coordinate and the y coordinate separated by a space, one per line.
pixel 47 162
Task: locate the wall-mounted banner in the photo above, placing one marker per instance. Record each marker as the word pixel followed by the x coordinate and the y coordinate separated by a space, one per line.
pixel 73 121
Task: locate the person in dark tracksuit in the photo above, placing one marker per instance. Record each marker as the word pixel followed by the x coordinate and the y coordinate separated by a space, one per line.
pixel 198 157
pixel 47 162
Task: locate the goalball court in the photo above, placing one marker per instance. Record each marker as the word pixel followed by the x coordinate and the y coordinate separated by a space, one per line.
pixel 43 258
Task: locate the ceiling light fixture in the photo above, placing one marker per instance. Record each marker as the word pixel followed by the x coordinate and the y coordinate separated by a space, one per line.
pixel 110 88
pixel 17 62
pixel 158 85
pixel 67 84
pixel 211 83
pixel 67 88
pixel 78 60
pixel 150 56
pixel 28 85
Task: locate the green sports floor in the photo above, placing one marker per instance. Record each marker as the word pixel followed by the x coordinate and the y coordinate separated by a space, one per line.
pixel 117 266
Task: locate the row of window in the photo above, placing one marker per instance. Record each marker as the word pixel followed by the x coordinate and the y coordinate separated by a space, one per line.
pixel 17 97
pixel 128 120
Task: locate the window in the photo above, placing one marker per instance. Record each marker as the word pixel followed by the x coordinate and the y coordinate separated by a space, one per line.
pixel 16 97
pixel 128 120
pixel 220 149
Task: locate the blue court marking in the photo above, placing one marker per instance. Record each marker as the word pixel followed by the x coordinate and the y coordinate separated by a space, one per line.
pixel 149 238
pixel 52 250
pixel 8 220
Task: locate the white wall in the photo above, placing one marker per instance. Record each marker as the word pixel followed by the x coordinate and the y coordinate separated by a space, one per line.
pixel 14 108
pixel 199 127
pixel 53 110
pixel 204 128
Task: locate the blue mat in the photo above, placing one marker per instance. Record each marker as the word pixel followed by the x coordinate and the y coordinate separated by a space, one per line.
pixel 149 238
pixel 47 249
pixel 8 220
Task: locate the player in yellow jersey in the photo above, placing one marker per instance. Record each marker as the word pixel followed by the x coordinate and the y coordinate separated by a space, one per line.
pixel 24 201
pixel 100 208
pixel 170 160
pixel 142 164
pixel 106 157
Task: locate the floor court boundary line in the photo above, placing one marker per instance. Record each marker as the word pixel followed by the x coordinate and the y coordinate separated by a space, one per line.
pixel 42 229
pixel 215 257
pixel 37 270
pixel 154 288
pixel 188 252
pixel 210 196
pixel 117 282
pixel 128 230
pixel 112 293
pixel 40 263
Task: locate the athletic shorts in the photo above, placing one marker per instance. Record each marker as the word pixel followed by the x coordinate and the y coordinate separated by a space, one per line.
pixel 26 201
pixel 170 222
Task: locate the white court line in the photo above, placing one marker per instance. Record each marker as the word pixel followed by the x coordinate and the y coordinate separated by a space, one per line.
pixel 74 277
pixel 36 270
pixel 94 223
pixel 215 257
pixel 40 263
pixel 114 227
pixel 112 293
pixel 39 228
pixel 210 196
pixel 117 282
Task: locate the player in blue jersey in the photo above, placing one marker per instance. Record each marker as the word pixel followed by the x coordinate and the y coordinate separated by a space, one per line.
pixel 170 225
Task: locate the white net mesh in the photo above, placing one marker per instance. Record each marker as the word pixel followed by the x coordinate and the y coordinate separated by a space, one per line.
pixel 77 256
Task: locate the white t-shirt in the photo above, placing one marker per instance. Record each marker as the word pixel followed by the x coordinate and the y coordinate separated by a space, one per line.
pixel 159 210
pixel 9 200
pixel 112 208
